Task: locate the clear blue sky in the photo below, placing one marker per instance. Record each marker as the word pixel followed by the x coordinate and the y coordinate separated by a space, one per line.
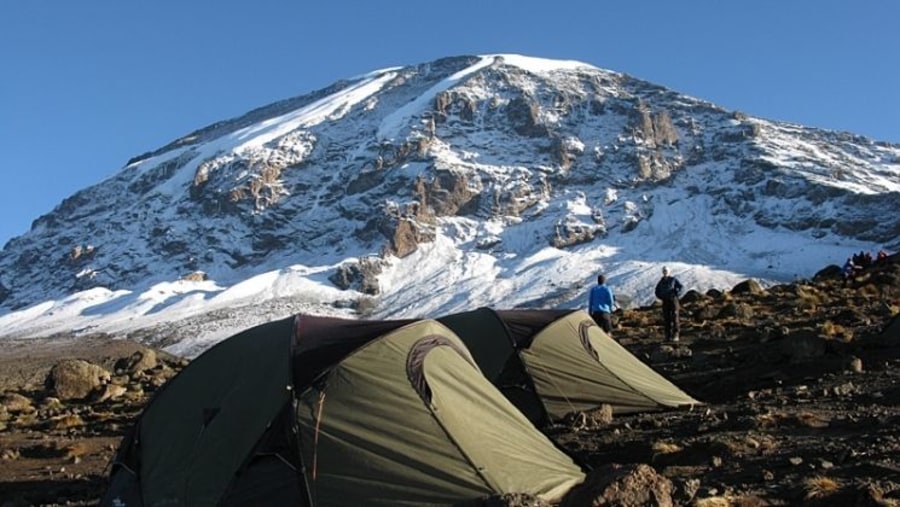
pixel 86 85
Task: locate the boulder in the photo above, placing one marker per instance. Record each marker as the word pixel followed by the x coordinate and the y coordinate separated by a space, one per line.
pixel 831 272
pixel 692 296
pixel 622 485
pixel 748 287
pixel 141 360
pixel 15 402
pixel 75 379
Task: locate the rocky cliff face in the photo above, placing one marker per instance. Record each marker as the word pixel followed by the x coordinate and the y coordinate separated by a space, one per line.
pixel 371 168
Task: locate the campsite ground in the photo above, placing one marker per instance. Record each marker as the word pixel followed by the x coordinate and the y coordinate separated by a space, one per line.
pixel 43 462
pixel 802 390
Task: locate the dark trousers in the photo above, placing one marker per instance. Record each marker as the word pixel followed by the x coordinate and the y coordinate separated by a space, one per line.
pixel 604 320
pixel 670 318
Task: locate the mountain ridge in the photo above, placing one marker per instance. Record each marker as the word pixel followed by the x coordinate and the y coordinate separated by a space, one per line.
pixel 491 164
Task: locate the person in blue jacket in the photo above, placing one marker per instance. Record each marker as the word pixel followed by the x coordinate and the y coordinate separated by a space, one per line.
pixel 601 303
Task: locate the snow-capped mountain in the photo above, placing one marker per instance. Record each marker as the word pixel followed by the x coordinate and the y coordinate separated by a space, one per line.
pixel 494 180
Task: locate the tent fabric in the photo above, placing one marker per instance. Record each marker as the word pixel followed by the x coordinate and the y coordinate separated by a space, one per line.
pixel 198 432
pixel 318 411
pixel 524 325
pixel 891 333
pixel 468 442
pixel 571 365
pixel 320 342
pixel 490 354
pixel 577 367
pixel 271 474
pixel 494 343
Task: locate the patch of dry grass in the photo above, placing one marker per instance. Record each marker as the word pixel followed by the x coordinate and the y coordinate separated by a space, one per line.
pixel 836 331
pixel 869 290
pixel 661 447
pixel 820 487
pixel 76 450
pixel 809 296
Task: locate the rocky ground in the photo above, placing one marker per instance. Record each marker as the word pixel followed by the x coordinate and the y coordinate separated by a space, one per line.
pixel 801 381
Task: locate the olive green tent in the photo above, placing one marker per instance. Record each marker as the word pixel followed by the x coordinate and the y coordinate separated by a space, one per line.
pixel 319 411
pixel 550 363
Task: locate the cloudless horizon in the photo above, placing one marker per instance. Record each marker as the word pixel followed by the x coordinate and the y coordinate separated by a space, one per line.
pixel 88 85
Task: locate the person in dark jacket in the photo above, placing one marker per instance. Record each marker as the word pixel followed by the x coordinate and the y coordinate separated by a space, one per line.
pixel 668 290
pixel 601 303
pixel 848 270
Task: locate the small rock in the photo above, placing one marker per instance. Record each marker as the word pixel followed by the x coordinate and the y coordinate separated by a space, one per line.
pixel 143 360
pixel 688 490
pixel 594 419
pixel 25 420
pixel 51 403
pixel 65 422
pixel 110 392
pixel 844 389
pixel 711 492
pixel 796 460
pixel 15 402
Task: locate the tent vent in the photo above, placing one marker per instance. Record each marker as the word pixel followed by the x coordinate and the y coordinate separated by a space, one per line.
pixel 416 360
pixel 584 327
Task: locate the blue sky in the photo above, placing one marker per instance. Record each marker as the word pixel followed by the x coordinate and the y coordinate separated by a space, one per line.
pixel 87 85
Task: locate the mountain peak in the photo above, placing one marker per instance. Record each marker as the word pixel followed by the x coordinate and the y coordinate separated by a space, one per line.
pixel 500 180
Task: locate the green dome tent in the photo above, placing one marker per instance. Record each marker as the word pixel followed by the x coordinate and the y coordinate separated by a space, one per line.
pixel 318 411
pixel 553 362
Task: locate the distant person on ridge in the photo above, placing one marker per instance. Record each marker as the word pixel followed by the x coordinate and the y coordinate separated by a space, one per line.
pixel 668 289
pixel 848 270
pixel 601 303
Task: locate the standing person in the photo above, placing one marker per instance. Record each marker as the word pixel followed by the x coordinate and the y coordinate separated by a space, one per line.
pixel 668 289
pixel 848 270
pixel 601 303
